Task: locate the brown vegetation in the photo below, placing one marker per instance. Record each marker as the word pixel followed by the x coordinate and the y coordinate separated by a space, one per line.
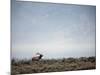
pixel 52 65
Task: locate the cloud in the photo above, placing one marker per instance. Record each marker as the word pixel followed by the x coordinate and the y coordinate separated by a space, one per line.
pixel 54 30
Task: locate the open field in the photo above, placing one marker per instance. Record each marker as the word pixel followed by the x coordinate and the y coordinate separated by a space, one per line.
pixel 52 65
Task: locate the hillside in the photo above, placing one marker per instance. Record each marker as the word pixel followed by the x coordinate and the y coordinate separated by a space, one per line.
pixel 52 65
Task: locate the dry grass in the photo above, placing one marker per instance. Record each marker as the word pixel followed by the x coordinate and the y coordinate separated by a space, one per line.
pixel 52 65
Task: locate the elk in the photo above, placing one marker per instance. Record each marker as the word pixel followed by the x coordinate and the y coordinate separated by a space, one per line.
pixel 37 57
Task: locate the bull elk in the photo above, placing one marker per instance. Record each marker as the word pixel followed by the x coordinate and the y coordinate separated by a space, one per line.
pixel 37 57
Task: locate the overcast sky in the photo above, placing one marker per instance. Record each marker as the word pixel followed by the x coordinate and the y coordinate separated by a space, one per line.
pixel 55 30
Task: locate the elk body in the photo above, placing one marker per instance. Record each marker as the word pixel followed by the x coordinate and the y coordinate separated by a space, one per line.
pixel 37 57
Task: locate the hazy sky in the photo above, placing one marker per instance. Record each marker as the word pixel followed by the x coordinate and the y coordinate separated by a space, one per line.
pixel 55 30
